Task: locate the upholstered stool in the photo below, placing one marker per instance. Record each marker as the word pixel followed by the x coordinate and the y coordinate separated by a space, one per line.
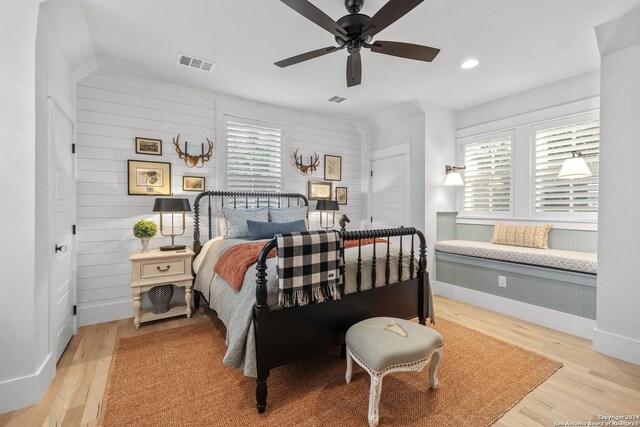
pixel 382 345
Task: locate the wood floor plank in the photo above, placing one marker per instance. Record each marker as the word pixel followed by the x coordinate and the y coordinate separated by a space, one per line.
pixel 588 385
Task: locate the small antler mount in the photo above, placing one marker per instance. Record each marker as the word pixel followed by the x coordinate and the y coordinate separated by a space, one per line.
pixel 307 169
pixel 192 160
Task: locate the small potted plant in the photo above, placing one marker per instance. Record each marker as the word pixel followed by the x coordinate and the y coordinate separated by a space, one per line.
pixel 145 230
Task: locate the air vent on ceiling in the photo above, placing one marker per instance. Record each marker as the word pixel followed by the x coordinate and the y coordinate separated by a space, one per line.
pixel 341 100
pixel 193 62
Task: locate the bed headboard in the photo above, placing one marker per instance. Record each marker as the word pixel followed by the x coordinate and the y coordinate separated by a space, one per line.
pixel 239 200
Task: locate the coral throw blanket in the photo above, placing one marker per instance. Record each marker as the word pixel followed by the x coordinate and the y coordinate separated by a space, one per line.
pixel 235 261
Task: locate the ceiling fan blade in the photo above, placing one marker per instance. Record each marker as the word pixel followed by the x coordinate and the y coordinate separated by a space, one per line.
pixel 315 15
pixel 306 56
pixel 387 15
pixel 354 69
pixel 405 50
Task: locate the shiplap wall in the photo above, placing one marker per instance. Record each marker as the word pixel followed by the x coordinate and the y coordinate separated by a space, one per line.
pixel 111 113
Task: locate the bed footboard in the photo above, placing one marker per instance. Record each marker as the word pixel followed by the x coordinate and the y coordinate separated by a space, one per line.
pixel 319 326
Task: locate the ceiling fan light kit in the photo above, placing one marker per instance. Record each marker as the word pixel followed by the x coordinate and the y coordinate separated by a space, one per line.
pixel 356 30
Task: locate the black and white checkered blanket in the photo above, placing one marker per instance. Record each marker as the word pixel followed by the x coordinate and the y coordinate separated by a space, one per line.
pixel 309 267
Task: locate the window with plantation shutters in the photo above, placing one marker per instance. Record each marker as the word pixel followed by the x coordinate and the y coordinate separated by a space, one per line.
pixel 487 177
pixel 552 146
pixel 254 155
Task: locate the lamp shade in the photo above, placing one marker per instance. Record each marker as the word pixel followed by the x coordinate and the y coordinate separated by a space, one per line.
pixel 171 205
pixel 454 180
pixel 574 167
pixel 327 205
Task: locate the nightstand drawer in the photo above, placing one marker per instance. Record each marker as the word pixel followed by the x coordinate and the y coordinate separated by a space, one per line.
pixel 159 269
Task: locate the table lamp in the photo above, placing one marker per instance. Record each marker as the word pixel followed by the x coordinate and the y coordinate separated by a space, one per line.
pixel 327 206
pixel 171 206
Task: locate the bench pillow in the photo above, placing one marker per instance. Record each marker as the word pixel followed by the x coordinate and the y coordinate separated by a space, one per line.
pixel 267 230
pixel 529 236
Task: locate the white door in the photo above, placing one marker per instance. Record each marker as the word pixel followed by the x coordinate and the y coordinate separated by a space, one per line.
pixel 389 185
pixel 62 201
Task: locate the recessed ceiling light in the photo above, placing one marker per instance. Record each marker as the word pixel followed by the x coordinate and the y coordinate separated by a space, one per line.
pixel 469 63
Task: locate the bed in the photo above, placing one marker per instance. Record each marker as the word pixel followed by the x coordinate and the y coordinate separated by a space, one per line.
pixel 261 335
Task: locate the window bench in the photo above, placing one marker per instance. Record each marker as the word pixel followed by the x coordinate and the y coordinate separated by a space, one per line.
pixel 559 280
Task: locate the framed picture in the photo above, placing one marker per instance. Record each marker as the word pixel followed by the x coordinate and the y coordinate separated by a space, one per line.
pixel 149 146
pixel 193 183
pixel 319 190
pixel 332 168
pixel 341 195
pixel 149 178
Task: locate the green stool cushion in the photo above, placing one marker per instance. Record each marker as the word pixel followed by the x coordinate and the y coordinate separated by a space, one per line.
pixel 379 348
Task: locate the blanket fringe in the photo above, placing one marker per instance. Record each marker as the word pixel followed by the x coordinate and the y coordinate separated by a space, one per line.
pixel 302 297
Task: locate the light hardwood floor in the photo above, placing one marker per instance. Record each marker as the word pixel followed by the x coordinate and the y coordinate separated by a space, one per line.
pixel 588 385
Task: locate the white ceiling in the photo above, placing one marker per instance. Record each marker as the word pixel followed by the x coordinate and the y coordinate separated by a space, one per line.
pixel 521 44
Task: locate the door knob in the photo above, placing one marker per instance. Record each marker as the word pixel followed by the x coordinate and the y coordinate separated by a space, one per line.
pixel 61 248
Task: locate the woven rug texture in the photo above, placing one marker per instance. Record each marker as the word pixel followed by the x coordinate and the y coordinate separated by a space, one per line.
pixel 176 378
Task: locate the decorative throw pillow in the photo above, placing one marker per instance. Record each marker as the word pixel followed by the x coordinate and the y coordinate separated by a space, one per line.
pixel 267 230
pixel 287 214
pixel 234 221
pixel 530 236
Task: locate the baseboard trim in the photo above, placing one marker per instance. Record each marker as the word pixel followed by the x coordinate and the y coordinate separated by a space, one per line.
pixel 17 393
pixel 90 314
pixel 568 323
pixel 618 346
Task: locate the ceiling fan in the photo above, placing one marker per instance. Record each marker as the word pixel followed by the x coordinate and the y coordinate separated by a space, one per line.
pixel 356 30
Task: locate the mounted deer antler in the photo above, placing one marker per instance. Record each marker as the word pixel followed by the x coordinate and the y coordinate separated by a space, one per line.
pixel 191 160
pixel 311 167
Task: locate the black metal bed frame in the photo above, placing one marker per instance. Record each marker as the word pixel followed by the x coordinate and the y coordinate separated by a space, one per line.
pixel 320 326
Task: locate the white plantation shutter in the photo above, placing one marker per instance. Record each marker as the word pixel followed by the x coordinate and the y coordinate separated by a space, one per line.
pixel 254 155
pixel 487 177
pixel 553 146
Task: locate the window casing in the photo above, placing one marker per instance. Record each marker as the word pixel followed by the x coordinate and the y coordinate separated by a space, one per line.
pixel 488 175
pixel 254 155
pixel 553 142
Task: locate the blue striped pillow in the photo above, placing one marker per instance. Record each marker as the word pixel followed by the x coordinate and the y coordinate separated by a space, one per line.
pixel 267 230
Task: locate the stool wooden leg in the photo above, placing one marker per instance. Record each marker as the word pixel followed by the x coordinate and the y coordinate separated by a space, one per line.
pixel 347 376
pixel 374 400
pixel 433 368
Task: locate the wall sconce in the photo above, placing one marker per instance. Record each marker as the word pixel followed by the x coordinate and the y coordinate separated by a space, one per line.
pixel 329 207
pixel 453 176
pixel 575 167
pixel 189 159
pixel 171 206
pixel 314 162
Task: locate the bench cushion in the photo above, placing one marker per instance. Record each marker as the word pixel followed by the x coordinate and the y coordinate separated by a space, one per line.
pixel 584 262
pixel 379 348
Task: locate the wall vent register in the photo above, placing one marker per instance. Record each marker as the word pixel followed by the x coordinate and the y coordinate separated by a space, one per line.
pixel 340 100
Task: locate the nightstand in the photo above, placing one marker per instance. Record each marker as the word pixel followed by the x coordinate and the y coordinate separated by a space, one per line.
pixel 155 268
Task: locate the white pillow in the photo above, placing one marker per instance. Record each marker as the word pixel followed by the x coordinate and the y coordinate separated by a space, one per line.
pixel 288 214
pixel 234 224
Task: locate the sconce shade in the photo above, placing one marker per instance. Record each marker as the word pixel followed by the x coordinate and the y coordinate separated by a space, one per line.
pixel 327 205
pixel 574 167
pixel 454 180
pixel 165 204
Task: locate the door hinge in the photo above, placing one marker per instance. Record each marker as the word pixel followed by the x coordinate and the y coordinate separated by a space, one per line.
pixel 73 148
pixel 371 173
pixel 371 219
pixel 75 310
pixel 73 229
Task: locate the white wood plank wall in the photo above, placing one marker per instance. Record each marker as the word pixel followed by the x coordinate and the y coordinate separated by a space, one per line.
pixel 111 113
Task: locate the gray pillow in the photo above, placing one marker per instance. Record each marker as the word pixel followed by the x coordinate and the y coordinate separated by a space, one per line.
pixel 267 230
pixel 234 224
pixel 287 214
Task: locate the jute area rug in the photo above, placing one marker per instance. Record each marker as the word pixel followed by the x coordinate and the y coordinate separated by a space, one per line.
pixel 177 378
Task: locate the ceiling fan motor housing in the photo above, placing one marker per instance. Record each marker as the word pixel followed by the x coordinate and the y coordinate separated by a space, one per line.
pixel 353 24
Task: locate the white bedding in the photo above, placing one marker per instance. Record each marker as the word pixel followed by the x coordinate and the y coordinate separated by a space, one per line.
pixel 235 309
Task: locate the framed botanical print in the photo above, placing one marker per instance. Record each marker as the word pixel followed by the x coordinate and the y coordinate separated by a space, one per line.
pixel 341 195
pixel 332 168
pixel 319 190
pixel 193 183
pixel 149 146
pixel 149 178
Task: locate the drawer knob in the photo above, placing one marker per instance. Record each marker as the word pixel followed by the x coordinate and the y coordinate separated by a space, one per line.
pixel 163 269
